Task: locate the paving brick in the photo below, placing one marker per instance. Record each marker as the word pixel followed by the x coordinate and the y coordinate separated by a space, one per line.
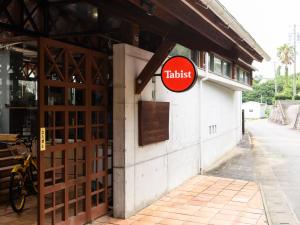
pixel 203 200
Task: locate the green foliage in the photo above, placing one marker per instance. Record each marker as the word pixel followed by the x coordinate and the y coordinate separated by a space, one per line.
pixel 286 54
pixel 264 91
pixel 283 97
pixel 267 112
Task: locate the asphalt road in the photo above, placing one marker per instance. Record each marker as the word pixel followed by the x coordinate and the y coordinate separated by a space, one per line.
pixel 277 150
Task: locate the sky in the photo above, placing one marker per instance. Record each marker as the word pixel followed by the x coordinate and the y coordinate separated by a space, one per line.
pixel 270 23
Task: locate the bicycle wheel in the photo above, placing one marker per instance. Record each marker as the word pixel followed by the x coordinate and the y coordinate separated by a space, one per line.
pixel 33 187
pixel 17 192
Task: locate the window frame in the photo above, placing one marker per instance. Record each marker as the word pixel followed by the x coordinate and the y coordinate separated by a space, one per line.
pixel 211 63
pixel 245 75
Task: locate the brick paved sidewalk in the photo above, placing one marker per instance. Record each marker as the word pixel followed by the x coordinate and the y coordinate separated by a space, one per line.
pixel 203 200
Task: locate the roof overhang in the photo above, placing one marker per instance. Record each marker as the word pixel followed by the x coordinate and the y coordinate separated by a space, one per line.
pixel 211 19
pixel 240 61
pixel 228 19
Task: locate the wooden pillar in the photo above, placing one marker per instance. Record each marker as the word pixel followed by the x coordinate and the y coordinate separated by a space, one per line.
pixel 202 60
pixel 17 10
pixel 234 71
pixel 251 78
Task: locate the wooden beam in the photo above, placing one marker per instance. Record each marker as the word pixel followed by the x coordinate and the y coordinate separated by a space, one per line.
pixel 15 39
pixel 154 63
pixel 207 12
pixel 130 33
pixel 190 18
pixel 19 30
pixel 193 40
pixel 132 14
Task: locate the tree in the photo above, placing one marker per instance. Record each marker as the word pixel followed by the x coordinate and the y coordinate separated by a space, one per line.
pixel 285 53
pixel 262 91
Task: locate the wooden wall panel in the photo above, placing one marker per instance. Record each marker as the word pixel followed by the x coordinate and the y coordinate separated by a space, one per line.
pixel 153 119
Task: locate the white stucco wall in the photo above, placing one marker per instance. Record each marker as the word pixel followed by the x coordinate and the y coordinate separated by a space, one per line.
pixel 143 174
pixel 221 109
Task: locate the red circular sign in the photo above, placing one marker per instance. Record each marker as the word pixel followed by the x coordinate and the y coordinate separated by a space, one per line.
pixel 178 74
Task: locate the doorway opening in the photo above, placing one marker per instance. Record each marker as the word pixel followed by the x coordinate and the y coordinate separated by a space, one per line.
pixel 65 90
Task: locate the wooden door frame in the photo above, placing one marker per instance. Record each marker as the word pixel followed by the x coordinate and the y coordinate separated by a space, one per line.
pixel 89 144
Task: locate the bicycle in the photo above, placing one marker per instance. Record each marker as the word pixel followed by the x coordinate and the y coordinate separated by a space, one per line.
pixel 22 176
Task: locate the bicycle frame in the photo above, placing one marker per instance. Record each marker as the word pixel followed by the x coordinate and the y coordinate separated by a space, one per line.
pixel 26 163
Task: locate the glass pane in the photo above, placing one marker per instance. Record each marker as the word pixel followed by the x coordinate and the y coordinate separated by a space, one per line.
pixel 80 153
pixel 59 119
pixel 80 134
pixel 48 119
pixel 181 50
pixel 72 118
pixel 94 118
pixel 97 98
pixel 72 209
pixel 54 96
pixel 81 206
pixel 226 69
pixel 59 136
pixel 59 158
pixel 81 190
pixel 72 133
pixel 72 192
pixel 18 95
pixel 75 96
pixel 80 118
pixel 217 65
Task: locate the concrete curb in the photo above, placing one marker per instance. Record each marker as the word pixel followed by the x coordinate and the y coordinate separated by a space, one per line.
pixel 267 212
pixel 250 139
pixel 262 193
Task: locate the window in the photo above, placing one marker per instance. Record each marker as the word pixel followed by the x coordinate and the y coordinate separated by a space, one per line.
pixel 226 68
pixel 211 62
pixel 219 66
pixel 181 50
pixel 242 75
pixel 18 96
pixel 186 52
pixel 212 129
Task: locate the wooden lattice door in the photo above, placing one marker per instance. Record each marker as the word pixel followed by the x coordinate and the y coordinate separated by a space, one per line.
pixel 73 111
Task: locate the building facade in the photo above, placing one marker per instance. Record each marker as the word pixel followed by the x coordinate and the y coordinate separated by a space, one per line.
pixel 93 63
pixel 205 123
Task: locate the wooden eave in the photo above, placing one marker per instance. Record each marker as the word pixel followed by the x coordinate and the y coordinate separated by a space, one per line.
pixel 224 36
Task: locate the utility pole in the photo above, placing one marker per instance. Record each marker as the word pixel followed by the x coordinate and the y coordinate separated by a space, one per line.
pixel 275 72
pixel 295 62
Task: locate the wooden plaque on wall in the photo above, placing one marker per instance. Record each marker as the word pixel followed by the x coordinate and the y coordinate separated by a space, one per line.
pixel 153 119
